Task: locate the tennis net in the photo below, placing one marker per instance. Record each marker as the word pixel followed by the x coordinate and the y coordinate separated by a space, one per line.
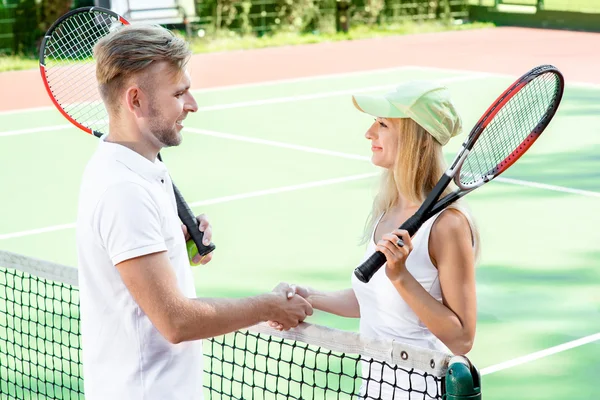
pixel 40 353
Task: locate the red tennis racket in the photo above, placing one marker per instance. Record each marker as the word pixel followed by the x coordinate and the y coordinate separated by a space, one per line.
pixel 503 134
pixel 68 71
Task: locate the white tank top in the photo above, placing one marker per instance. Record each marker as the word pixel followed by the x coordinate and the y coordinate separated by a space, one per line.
pixel 385 314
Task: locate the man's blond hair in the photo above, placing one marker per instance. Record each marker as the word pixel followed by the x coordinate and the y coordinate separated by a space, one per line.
pixel 129 51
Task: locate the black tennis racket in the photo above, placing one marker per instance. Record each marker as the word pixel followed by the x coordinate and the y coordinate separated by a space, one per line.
pixel 502 135
pixel 69 75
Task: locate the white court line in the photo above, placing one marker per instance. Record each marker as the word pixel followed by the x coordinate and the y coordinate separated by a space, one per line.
pixel 273 82
pixel 27 110
pixel 332 76
pixel 322 95
pixel 306 149
pixel 273 143
pixel 297 147
pixel 548 187
pixel 568 82
pixel 276 100
pixel 283 189
pixel 217 200
pixel 36 130
pixel 540 354
pixel 30 232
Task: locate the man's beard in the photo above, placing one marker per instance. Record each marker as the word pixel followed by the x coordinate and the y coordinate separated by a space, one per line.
pixel 166 133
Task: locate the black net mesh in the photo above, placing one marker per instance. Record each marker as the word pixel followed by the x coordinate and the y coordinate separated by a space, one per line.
pixel 40 353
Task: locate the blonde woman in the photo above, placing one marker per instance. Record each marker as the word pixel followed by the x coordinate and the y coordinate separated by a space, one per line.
pixel 425 293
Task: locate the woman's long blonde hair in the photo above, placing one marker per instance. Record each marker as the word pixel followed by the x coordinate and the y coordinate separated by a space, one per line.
pixel 418 167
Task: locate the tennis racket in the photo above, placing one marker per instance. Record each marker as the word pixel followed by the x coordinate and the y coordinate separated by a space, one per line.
pixel 503 134
pixel 69 75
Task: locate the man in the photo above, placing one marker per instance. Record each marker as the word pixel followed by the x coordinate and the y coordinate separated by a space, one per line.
pixel 141 323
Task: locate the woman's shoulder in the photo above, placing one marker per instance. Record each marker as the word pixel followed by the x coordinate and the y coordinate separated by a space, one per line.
pixel 452 222
pixel 452 228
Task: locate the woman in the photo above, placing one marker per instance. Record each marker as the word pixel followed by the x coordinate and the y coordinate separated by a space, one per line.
pixel 425 293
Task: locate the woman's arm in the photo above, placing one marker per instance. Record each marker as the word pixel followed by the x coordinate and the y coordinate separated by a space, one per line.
pixel 340 302
pixel 454 320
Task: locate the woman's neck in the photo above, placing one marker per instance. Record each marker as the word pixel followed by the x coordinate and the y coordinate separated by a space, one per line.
pixel 403 204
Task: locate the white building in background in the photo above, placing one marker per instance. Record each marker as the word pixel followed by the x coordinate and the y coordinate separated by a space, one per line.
pixel 176 12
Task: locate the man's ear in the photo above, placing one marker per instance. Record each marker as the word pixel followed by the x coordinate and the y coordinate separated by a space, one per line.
pixel 134 98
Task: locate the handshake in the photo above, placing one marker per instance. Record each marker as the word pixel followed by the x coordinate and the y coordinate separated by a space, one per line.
pixel 289 307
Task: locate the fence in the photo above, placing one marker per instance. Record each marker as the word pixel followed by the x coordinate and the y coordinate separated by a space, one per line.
pixel 23 22
pixel 8 19
pixel 263 16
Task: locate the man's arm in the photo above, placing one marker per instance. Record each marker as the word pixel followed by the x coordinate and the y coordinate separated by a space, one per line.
pixel 152 283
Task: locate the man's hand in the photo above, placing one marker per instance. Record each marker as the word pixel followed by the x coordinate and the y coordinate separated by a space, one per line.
pixel 204 227
pixel 288 310
pixel 289 291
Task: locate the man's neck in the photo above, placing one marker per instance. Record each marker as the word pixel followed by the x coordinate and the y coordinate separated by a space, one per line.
pixel 133 139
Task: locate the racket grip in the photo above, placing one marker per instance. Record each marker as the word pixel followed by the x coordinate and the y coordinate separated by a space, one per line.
pixel 367 269
pixel 189 220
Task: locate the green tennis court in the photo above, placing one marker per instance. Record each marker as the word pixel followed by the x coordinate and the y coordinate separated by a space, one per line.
pixel 282 170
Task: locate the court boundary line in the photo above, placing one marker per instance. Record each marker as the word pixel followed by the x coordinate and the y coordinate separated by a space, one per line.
pixel 297 147
pixel 37 130
pixel 306 149
pixel 282 81
pixel 289 99
pixel 315 150
pixel 273 143
pixel 589 85
pixel 217 200
pixel 338 75
pixel 540 354
pixel 333 93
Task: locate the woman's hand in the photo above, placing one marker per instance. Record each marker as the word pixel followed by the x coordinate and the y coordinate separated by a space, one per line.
pixel 396 247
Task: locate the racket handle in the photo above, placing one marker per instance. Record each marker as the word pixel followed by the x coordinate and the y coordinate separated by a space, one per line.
pixel 367 269
pixel 189 220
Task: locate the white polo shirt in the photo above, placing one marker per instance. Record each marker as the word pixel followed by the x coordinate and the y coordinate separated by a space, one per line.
pixel 127 209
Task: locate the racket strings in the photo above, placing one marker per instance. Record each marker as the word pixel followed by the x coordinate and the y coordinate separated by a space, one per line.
pixel 70 67
pixel 514 124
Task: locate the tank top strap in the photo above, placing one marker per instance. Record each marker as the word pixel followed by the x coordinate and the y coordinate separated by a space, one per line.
pixel 375 225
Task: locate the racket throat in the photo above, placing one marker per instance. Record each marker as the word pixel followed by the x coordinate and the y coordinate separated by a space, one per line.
pixel 435 194
pixel 424 212
pixel 458 161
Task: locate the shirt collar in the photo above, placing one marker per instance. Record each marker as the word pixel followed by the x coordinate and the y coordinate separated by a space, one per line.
pixel 151 171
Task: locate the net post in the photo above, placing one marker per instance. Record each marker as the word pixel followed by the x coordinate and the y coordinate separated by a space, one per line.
pixel 462 381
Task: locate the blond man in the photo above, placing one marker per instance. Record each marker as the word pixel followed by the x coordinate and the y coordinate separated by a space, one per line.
pixel 141 322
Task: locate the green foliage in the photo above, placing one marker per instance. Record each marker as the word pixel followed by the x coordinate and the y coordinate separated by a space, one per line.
pixel 304 16
pixel 263 16
pixel 24 22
